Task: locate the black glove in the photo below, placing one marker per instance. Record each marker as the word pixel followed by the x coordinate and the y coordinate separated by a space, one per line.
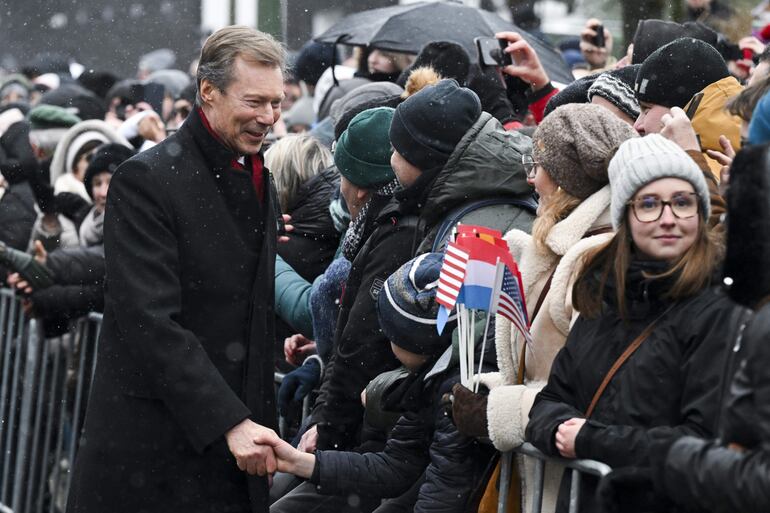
pixel 298 383
pixel 485 82
pixel 469 412
pixel 630 490
pixel 516 91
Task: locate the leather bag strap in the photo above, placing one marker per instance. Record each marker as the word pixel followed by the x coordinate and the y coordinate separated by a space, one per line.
pixel 631 349
pixel 538 305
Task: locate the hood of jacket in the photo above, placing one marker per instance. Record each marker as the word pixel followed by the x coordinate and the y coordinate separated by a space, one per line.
pixel 309 209
pixel 712 120
pixel 59 162
pixel 486 162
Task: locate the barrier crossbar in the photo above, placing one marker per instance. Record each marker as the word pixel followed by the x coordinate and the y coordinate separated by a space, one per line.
pixel 577 467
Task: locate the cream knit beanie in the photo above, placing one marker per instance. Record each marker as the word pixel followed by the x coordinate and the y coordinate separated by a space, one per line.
pixel 643 160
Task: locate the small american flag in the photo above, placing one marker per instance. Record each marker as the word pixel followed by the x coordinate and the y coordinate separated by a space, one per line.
pixel 511 306
pixel 452 275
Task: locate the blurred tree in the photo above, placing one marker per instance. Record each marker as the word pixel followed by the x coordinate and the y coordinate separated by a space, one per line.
pixel 523 14
pixel 635 10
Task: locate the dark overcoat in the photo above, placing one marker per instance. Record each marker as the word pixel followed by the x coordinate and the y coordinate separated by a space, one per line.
pixel 186 347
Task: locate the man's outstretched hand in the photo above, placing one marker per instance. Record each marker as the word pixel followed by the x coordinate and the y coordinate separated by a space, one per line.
pixel 252 446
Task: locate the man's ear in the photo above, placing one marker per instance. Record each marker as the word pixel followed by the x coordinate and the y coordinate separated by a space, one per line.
pixel 207 90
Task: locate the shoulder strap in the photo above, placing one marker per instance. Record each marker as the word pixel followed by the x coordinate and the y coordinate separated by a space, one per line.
pixel 450 221
pixel 622 359
pixel 538 305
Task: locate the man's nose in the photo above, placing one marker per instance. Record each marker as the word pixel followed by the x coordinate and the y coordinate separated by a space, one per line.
pixel 266 114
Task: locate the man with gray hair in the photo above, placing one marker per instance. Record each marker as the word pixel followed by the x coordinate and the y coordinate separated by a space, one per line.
pixel 182 405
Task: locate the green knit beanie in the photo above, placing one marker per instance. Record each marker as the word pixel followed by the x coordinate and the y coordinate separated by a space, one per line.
pixel 51 116
pixel 362 153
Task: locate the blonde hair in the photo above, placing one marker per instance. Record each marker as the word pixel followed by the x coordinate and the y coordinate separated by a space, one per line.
pixel 557 207
pixel 294 160
pixel 222 48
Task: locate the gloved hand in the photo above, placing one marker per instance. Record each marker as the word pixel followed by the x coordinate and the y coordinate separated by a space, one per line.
pixel 298 383
pixel 469 412
pixel 630 490
pixel 516 91
pixel 486 82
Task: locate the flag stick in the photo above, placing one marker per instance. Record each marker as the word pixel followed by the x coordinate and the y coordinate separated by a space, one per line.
pixel 492 309
pixel 461 344
pixel 471 345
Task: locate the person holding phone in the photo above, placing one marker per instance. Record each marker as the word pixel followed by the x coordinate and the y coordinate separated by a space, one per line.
pixel 596 45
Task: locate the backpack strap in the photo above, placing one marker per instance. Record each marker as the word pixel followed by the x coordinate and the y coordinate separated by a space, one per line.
pixel 527 203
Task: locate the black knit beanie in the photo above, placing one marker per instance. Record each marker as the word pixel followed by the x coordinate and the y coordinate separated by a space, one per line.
pixel 428 125
pixel 672 74
pixel 106 159
pixel 653 34
pixel 450 60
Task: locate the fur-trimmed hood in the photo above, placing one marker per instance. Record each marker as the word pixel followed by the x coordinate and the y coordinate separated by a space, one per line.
pixel 747 259
pixel 59 161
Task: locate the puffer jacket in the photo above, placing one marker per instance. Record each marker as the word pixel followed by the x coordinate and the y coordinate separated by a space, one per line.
pixel 79 289
pixel 732 472
pixel 17 215
pixel 360 350
pixel 424 442
pixel 485 164
pixel 670 385
pixel 509 403
pixel 712 120
pixel 314 241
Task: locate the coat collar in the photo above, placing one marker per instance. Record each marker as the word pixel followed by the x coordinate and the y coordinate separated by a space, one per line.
pixel 217 155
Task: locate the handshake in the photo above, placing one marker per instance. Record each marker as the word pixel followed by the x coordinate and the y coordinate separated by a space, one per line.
pixel 259 450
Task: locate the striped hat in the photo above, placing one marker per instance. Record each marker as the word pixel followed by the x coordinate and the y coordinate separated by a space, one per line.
pixel 407 307
pixel 617 92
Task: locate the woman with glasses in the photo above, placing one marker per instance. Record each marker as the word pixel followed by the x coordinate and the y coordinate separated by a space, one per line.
pixel 644 358
pixel 568 169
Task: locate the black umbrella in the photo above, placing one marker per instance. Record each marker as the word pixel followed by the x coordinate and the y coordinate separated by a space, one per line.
pixel 407 28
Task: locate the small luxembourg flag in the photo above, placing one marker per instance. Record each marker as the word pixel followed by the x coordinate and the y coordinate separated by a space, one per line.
pixel 450 282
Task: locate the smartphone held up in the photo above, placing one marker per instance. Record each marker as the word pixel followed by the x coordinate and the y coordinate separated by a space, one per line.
pixel 491 52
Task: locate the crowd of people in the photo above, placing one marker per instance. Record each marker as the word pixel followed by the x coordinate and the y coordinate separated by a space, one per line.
pixel 633 200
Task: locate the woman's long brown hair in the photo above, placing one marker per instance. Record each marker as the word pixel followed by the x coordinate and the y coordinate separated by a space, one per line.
pixel 693 270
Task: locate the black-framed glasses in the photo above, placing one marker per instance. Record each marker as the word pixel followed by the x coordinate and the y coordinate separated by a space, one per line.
pixel 648 209
pixel 529 166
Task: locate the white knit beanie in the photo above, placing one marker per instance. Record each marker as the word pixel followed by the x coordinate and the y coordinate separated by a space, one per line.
pixel 642 160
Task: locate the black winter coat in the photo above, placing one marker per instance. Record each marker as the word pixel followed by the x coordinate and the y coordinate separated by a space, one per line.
pixel 17 215
pixel 314 241
pixel 707 475
pixel 425 443
pixel 79 289
pixel 185 351
pixel 669 385
pixel 360 350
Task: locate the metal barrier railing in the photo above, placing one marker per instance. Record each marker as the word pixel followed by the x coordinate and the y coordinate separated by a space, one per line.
pixel 44 385
pixel 578 468
pixel 43 392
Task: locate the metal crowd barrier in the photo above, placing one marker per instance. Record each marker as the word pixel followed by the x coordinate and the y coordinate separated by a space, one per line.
pixel 44 386
pixel 578 468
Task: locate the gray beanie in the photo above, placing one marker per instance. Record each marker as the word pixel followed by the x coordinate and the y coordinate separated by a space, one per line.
pixel 646 159
pixel 573 144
